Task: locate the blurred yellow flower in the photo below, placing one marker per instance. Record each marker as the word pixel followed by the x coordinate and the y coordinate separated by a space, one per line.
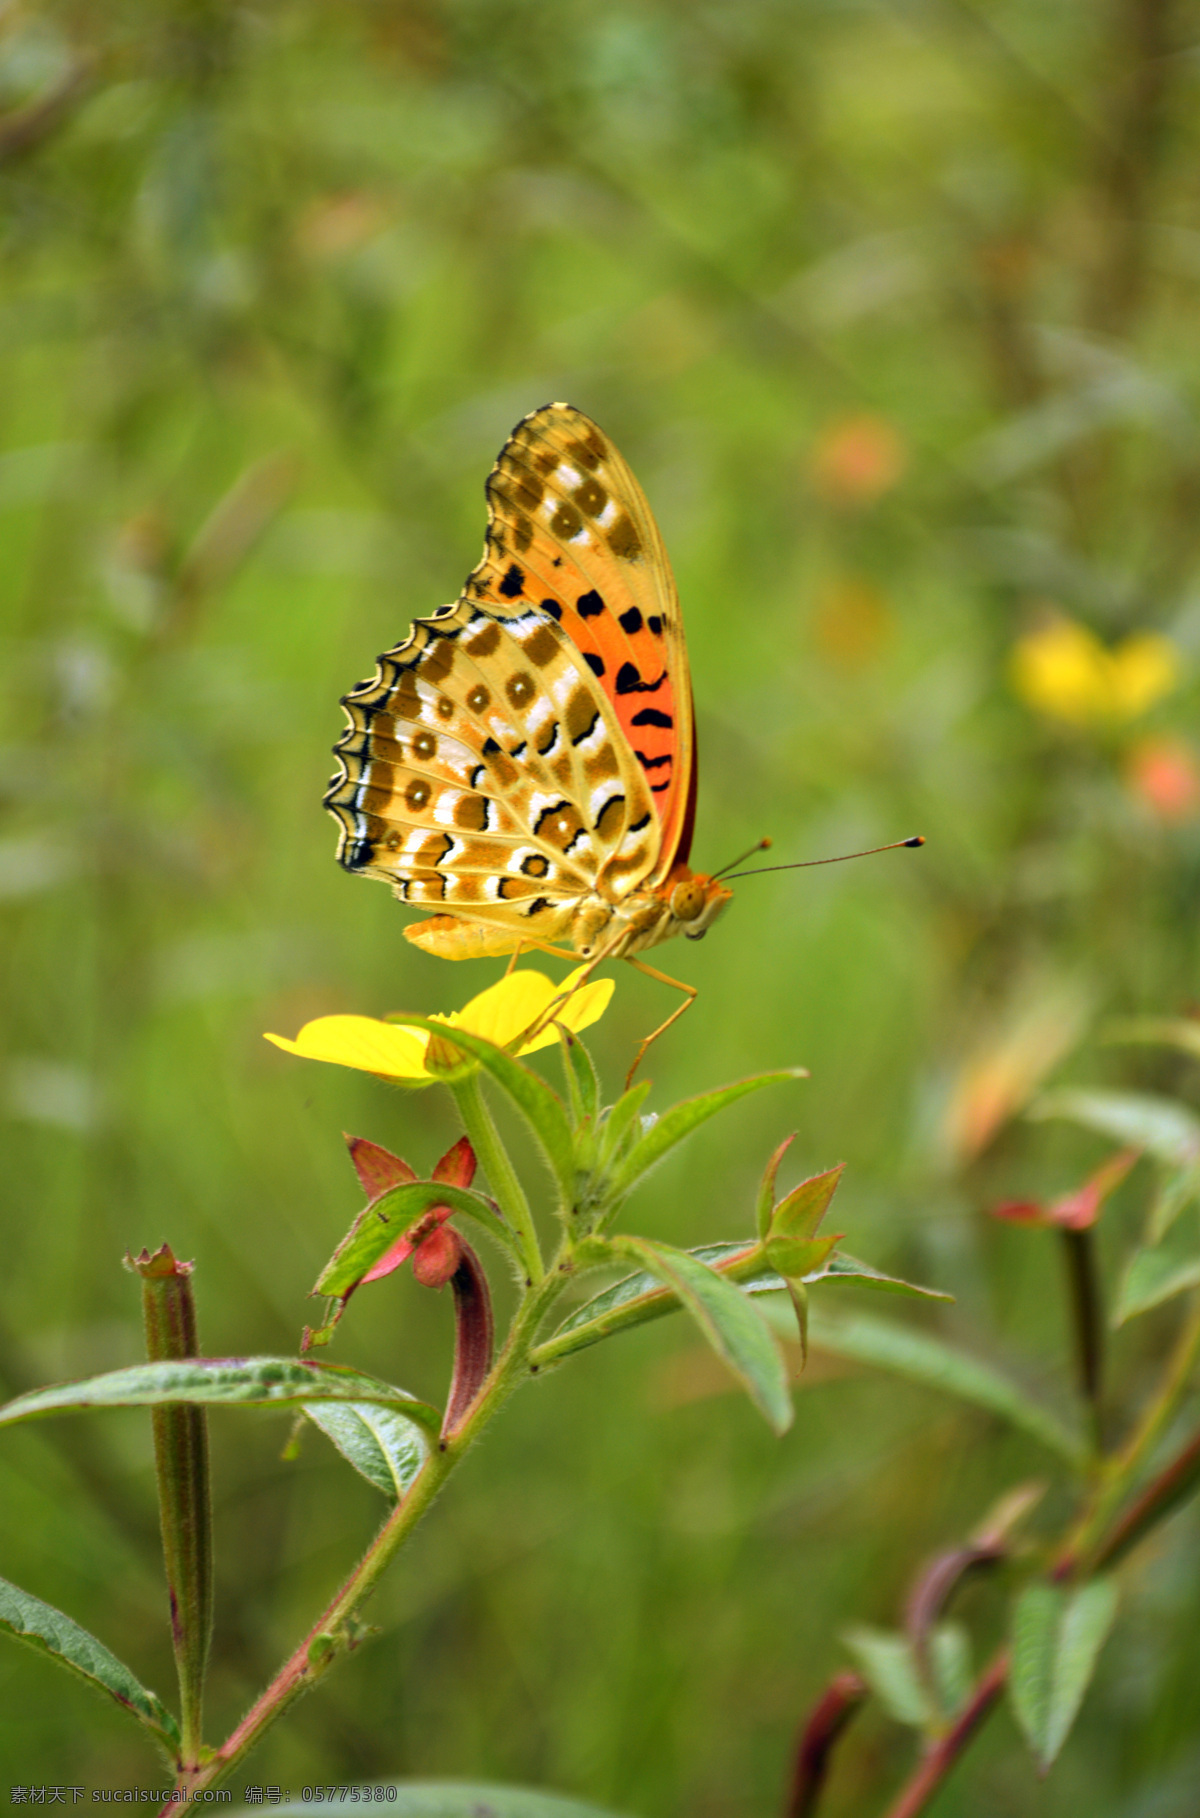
pixel 1063 670
pixel 500 1014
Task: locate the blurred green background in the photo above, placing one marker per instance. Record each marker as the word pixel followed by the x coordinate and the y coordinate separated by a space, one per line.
pixel 892 307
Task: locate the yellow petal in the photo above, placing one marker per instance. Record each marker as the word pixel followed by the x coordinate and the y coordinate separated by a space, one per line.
pixel 501 1012
pixel 583 1008
pixel 1064 671
pixel 362 1042
pixel 1144 668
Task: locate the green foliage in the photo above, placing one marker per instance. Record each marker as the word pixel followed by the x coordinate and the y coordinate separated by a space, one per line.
pixel 26 1618
pixel 1058 1631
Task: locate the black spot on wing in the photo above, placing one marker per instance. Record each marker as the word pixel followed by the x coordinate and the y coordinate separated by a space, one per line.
pixel 652 716
pixel 629 681
pixel 655 624
pixel 512 583
pixel 595 663
pixel 649 763
pixel 657 788
pixel 631 621
pixel 637 826
pixel 590 604
pixel 553 608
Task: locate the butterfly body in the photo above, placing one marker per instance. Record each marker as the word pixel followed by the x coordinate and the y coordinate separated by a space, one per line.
pixel 524 762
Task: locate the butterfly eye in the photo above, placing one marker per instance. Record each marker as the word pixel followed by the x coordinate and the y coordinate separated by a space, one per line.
pixel 695 934
pixel 687 900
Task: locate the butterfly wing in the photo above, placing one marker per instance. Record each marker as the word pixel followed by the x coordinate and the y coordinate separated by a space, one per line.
pixel 569 528
pixel 531 743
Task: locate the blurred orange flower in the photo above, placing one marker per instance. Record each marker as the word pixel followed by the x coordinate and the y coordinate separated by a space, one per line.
pixel 856 459
pixel 1064 671
pixel 1164 775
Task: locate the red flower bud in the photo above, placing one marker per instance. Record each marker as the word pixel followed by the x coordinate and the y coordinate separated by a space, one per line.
pixel 437 1258
pixel 378 1169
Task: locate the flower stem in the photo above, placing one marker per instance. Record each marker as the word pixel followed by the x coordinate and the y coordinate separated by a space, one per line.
pixel 1088 1320
pixel 336 1630
pixel 1091 1527
pixel 510 1195
pixel 184 1499
pixel 915 1795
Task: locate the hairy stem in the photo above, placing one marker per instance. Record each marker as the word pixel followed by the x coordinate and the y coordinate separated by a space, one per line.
pixel 501 1176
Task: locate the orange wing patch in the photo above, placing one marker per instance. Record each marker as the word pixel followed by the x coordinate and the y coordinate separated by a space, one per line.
pixel 570 531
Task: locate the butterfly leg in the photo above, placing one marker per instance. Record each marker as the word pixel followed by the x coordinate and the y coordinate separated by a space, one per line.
pixel 663 979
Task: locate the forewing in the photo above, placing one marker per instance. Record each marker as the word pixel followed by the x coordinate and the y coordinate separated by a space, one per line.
pixel 569 531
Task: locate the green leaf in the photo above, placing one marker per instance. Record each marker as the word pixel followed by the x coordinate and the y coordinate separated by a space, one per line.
pixel 843 1268
pixel 922 1358
pixel 378 1226
pixel 1176 1192
pixel 728 1322
pixel 384 1447
pixel 39 1625
pixel 889 1667
pixel 454 1799
pixel 1156 1274
pixel 538 1104
pixel 248 1381
pixel 800 1214
pixel 639 1298
pixel 1058 1631
pixel 616 1125
pixel 680 1121
pixel 583 1085
pixel 950 1658
pixel 798 1258
pixel 764 1205
pixel 1162 1127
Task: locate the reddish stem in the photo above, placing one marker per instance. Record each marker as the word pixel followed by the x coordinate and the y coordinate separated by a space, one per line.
pixel 473 1337
pixel 915 1796
pixel 814 1745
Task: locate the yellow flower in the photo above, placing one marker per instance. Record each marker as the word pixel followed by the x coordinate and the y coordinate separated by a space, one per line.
pixel 500 1014
pixel 1063 670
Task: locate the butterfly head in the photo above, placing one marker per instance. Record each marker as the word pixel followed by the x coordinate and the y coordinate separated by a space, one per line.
pixel 695 902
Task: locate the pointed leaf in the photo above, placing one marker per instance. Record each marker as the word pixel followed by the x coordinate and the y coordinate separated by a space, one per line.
pixel 382 1445
pixel 378 1169
pixel 638 1298
pixel 1155 1274
pixel 728 1322
pixel 385 1220
pixel 765 1203
pixel 1166 1129
pixel 39 1625
pixel 950 1659
pixel 800 1214
pixel 1176 1192
pixel 888 1664
pixel 681 1120
pixel 1058 1631
pixel 244 1381
pixel 925 1359
pixel 798 1258
pixel 617 1124
pixel 453 1799
pixel 583 1085
pixel 843 1268
pixel 457 1166
pixel 541 1107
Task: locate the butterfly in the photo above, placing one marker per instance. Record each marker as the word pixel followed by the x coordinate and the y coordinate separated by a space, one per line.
pixel 526 759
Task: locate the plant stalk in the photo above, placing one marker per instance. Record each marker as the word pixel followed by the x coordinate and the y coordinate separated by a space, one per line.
pixel 915 1795
pixel 501 1176
pixel 334 1633
pixel 184 1495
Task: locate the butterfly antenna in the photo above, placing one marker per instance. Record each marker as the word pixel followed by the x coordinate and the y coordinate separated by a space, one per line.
pixel 762 845
pixel 918 839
